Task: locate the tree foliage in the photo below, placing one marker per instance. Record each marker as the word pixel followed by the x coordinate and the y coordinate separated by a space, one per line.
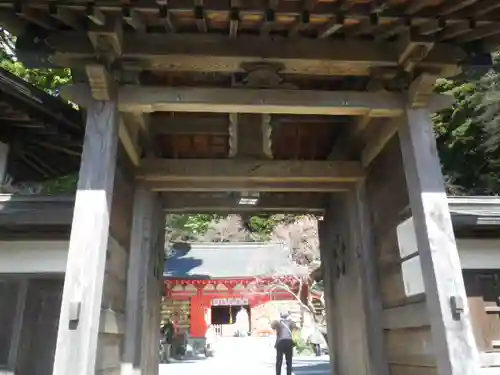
pixel 48 80
pixel 468 134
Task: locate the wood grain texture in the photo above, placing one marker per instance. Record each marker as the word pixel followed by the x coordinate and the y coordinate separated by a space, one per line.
pixel 409 316
pixel 249 170
pixel 234 100
pixel 135 300
pixel 413 370
pixel 223 54
pixel 372 296
pixel 350 334
pixel 84 279
pixel 404 343
pixel 328 265
pixel 454 344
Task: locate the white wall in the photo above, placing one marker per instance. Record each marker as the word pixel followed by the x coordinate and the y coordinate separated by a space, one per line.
pixel 33 256
pixel 474 254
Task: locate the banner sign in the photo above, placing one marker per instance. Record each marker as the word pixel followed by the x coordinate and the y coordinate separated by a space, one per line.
pixel 230 301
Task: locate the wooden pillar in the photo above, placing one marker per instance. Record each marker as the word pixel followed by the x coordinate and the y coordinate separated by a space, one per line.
pixel 327 265
pixel 139 249
pixel 362 236
pixel 344 300
pixel 77 339
pixel 145 273
pixel 453 340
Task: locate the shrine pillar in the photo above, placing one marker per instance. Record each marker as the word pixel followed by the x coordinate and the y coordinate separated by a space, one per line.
pixel 352 299
pixel 453 342
pixel 144 288
pixel 90 326
pixel 424 331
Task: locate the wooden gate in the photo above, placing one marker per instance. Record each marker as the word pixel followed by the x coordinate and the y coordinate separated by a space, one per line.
pixel 483 291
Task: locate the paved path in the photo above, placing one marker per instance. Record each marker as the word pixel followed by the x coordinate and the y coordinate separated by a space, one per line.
pixel 244 356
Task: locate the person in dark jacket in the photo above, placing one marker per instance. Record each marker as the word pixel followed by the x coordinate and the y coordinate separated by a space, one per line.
pixel 167 333
pixel 284 341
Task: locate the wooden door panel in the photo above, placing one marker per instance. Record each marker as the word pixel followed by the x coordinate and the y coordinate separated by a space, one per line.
pixel 483 292
pixel 40 324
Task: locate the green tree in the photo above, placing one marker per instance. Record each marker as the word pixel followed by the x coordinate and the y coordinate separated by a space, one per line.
pixel 48 80
pixel 467 134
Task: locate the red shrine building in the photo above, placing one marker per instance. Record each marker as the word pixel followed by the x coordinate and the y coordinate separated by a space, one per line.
pixel 208 283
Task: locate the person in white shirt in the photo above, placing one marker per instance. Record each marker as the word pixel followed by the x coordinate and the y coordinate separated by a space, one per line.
pixel 242 322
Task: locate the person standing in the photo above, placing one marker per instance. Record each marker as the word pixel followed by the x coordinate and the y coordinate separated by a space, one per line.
pixel 167 331
pixel 284 328
pixel 315 339
pixel 242 322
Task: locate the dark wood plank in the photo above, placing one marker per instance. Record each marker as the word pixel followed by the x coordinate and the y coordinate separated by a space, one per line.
pixel 40 325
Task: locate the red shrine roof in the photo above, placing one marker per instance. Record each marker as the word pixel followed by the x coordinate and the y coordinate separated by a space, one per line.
pixel 228 260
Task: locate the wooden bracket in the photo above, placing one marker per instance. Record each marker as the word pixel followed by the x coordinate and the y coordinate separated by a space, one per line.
pixel 421 90
pixel 263 76
pixel 101 82
pixel 413 52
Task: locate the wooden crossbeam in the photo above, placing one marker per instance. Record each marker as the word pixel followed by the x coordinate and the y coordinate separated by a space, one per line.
pixel 242 186
pixel 236 100
pixel 153 169
pixel 228 203
pixel 137 99
pixel 382 134
pixel 222 53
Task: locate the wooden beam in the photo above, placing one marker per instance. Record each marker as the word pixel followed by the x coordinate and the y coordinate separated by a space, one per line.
pixel 453 338
pixel 101 82
pixel 16 210
pixel 236 100
pixel 245 186
pixel 228 203
pixel 269 21
pixel 413 315
pixel 224 54
pixel 165 16
pixel 234 18
pixel 335 24
pixel 245 170
pixel 129 142
pixel 199 15
pixel 132 17
pixel 84 279
pixel 301 23
pixel 381 134
pixel 95 15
